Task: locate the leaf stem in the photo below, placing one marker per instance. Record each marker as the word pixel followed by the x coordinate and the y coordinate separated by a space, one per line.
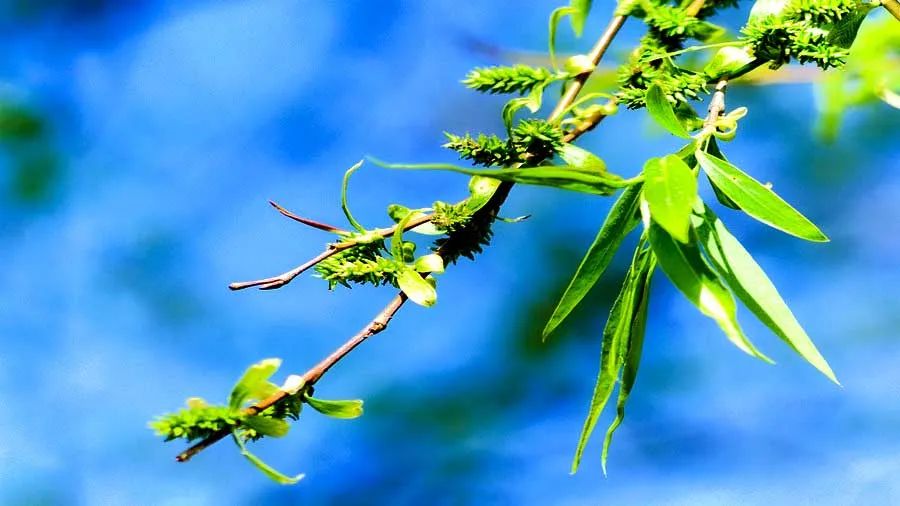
pixel 892 6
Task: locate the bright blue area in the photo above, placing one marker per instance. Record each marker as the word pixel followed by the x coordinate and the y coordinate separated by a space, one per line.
pixel 173 122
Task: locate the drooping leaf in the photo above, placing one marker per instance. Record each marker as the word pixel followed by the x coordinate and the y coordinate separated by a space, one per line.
pixel 580 11
pixel 616 335
pixel 581 159
pixel 621 220
pixel 272 427
pixel 662 112
pixel 532 101
pixel 670 190
pixel 265 468
pixel 337 409
pixel 757 200
pixel 481 190
pixel 556 176
pixel 750 284
pixel 254 384
pixel 555 17
pixel 632 359
pixel 688 271
pixel 418 289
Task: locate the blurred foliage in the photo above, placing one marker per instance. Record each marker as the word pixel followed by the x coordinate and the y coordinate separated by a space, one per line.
pixel 27 149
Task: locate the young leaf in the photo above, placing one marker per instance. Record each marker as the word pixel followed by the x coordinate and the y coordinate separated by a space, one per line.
pixel 266 426
pixel 254 384
pixel 481 190
pixel 688 271
pixel 430 263
pixel 661 111
pixel 344 206
pixel 632 359
pixel 581 158
pixel 616 333
pixel 337 409
pixel 556 176
pixel 750 284
pixel 843 32
pixel 670 190
pixel 555 18
pixel 580 11
pixel 417 288
pixel 265 468
pixel 758 200
pixel 621 220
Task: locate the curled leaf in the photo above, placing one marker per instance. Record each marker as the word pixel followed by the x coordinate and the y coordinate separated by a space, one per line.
pixel 346 409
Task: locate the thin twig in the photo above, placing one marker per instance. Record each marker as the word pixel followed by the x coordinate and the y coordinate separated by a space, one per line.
pixel 306 221
pixel 716 107
pixel 332 249
pixel 383 318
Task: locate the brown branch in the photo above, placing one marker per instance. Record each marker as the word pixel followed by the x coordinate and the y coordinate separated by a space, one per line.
pixel 716 108
pixel 383 318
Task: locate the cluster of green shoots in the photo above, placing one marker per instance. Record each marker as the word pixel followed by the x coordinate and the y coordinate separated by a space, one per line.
pixel 679 233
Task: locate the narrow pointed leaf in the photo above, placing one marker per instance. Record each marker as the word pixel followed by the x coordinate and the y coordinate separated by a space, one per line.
pixel 688 271
pixel 670 189
pixel 556 176
pixel 621 220
pixel 632 359
pixel 662 112
pixel 616 335
pixel 713 149
pixel 254 383
pixel 337 409
pixel 266 468
pixel 750 284
pixel 757 200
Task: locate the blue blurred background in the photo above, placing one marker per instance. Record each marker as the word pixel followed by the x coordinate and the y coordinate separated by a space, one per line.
pixel 140 143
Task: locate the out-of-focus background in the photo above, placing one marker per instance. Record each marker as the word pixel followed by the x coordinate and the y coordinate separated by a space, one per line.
pixel 139 142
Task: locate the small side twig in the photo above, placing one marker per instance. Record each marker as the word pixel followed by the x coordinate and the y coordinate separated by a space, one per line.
pixel 332 249
pixel 892 6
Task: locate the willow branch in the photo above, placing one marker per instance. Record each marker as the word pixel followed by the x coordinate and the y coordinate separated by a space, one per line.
pixel 383 318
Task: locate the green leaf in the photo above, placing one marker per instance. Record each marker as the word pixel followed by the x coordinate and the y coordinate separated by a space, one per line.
pixel 764 8
pixel 344 206
pixel 397 212
pixel 578 64
pixel 337 409
pixel 417 288
pixel 727 60
pixel 581 159
pixel 670 189
pixel 750 284
pixel 632 359
pixel 532 101
pixel 661 111
pixel 556 176
pixel 621 220
pixel 254 384
pixel 688 271
pixel 580 11
pixel 481 190
pixel 430 263
pixel 265 468
pixel 758 200
pixel 616 334
pixel 713 149
pixel 267 426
